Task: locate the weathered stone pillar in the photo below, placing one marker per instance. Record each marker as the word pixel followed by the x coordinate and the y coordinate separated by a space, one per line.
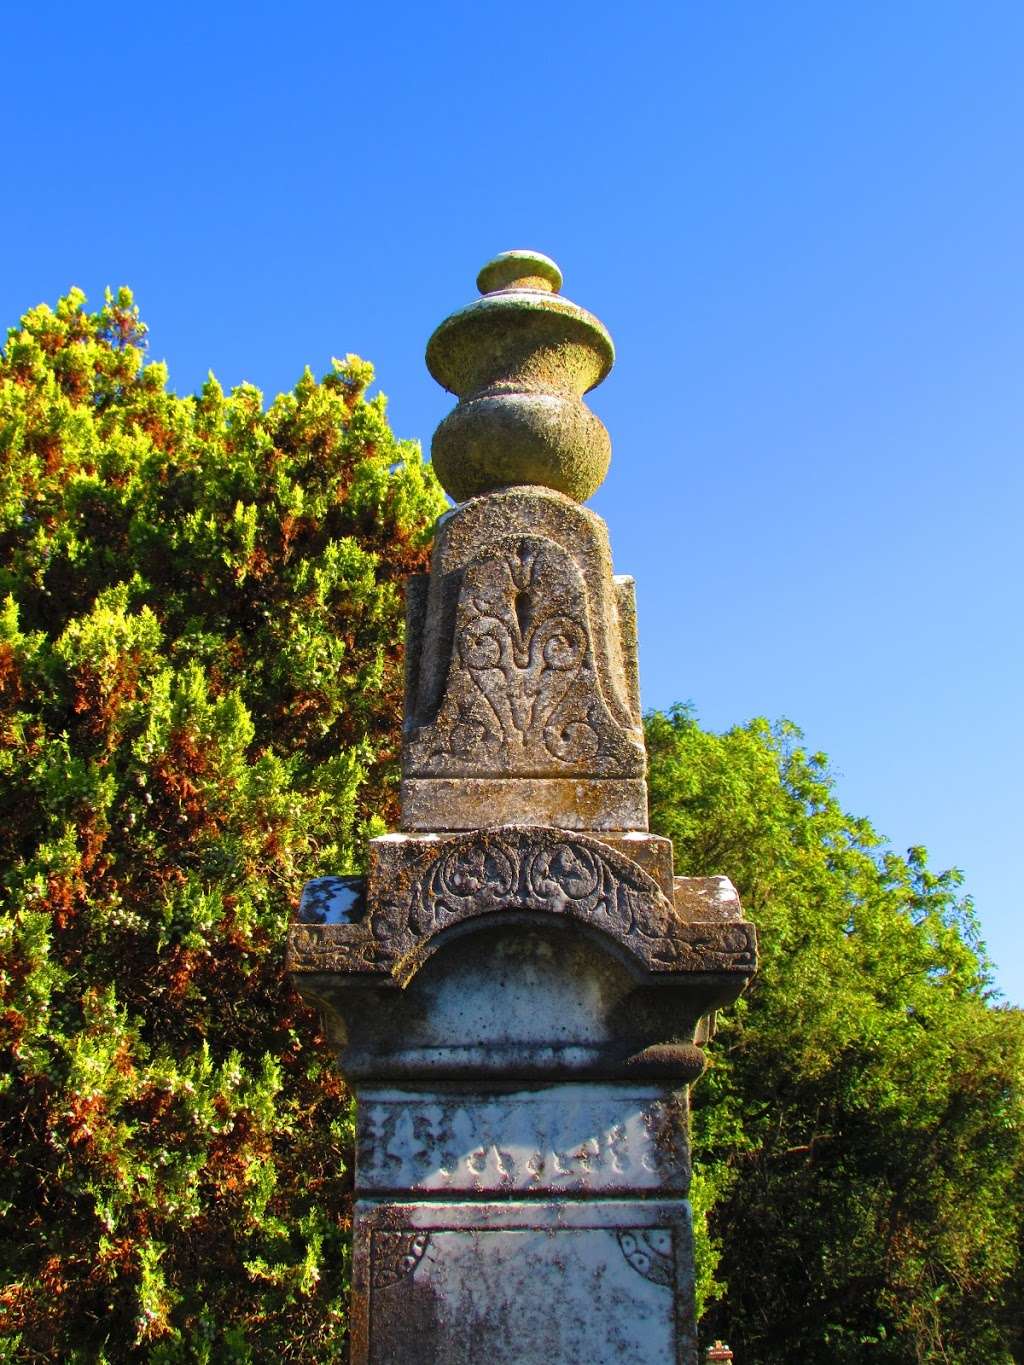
pixel 518 989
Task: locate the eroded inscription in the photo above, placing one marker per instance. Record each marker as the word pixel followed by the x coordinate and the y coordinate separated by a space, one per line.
pixel 582 1138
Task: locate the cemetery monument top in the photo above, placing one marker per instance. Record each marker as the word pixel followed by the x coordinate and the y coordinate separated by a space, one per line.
pixel 520 988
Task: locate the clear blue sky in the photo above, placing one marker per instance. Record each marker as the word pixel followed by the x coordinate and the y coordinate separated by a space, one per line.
pixel 803 224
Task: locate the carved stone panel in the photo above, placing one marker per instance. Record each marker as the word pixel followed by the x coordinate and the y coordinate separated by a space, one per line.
pixel 517 667
pixel 584 1139
pixel 522 695
pixel 521 1283
pixel 419 888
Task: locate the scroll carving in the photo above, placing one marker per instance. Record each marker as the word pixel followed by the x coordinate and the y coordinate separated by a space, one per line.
pixel 416 891
pixel 396 1255
pixel 522 696
pixel 649 1252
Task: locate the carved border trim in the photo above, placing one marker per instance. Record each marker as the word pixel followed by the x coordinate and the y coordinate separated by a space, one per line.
pixel 649 1252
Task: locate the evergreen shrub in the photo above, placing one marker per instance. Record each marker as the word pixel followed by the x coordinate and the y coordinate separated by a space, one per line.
pixel 200 650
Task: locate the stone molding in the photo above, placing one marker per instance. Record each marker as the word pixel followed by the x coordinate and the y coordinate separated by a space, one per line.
pixel 454 804
pixel 420 888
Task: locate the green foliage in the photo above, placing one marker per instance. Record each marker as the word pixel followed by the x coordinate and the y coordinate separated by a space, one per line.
pixel 860 1133
pixel 199 705
pixel 199 701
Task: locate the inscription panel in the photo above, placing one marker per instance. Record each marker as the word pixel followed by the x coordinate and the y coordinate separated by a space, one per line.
pixel 523 1284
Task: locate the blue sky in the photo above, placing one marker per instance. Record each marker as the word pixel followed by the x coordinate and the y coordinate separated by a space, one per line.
pixel 802 223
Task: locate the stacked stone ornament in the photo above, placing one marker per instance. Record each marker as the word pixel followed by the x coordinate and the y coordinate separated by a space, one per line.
pixel 519 988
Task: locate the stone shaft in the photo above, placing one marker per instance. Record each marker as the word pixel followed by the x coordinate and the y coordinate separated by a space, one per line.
pixel 519 989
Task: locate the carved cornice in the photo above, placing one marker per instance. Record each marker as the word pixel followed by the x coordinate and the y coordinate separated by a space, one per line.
pixel 419 890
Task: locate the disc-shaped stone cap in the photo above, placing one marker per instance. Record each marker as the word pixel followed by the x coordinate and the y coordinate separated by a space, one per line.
pixel 522 335
pixel 520 270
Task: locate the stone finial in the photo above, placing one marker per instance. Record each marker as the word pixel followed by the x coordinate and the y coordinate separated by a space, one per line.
pixel 520 359
pixel 520 270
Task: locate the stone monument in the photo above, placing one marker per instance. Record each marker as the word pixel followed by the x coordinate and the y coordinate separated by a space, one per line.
pixel 519 988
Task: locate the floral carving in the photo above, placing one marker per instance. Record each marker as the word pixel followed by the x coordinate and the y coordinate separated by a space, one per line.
pixel 554 873
pixel 566 869
pixel 476 870
pixel 522 694
pixel 416 890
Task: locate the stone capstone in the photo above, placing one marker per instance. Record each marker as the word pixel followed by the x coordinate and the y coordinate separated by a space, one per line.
pixel 420 889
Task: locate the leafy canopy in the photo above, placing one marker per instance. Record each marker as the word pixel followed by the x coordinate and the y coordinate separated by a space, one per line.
pixel 859 1137
pixel 200 646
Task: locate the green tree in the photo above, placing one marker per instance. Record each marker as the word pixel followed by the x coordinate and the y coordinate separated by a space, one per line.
pixel 199 703
pixel 859 1137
